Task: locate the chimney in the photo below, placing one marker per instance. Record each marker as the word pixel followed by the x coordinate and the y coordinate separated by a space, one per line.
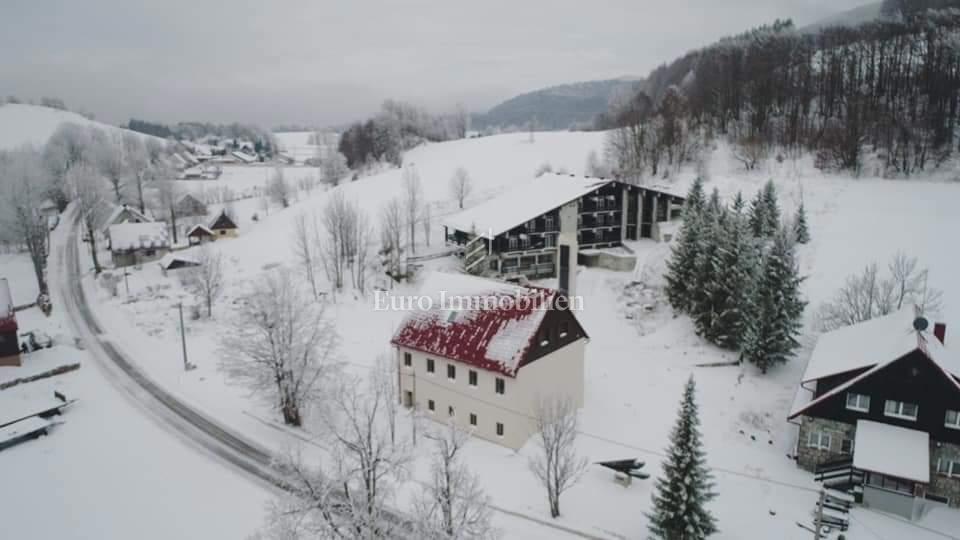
pixel 940 330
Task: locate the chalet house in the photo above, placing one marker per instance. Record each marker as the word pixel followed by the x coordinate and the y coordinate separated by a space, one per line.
pixel 136 243
pixel 200 234
pixel 483 353
pixel 190 206
pixel 538 228
pixel 879 414
pixel 118 215
pixel 223 226
pixel 9 344
pixel 174 261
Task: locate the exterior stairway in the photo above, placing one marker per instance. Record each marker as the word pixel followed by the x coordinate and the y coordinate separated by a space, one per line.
pixel 475 255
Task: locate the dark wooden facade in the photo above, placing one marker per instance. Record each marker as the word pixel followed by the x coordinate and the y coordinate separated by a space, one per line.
pixel 558 329
pixel 914 378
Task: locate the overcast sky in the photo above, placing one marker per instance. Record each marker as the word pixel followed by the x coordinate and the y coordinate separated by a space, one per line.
pixel 332 61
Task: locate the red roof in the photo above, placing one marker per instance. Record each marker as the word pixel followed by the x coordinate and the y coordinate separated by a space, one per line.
pixel 494 330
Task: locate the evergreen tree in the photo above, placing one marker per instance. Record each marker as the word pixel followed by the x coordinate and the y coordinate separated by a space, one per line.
pixel 773 322
pixel 771 209
pixel 734 268
pixel 758 216
pixel 702 300
pixel 800 230
pixel 682 264
pixel 738 203
pixel 686 485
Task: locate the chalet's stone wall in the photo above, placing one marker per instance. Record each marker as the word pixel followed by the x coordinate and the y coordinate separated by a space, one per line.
pixel 939 484
pixel 807 457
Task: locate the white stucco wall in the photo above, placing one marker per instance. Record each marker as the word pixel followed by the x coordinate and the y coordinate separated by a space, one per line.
pixel 558 373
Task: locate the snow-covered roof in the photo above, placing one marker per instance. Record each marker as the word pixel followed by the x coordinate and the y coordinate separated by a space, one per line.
pixel 199 230
pixel 892 450
pixel 127 236
pixel 116 216
pixel 485 323
pixel 172 258
pixel 872 342
pixel 243 156
pixel 523 203
pixel 22 428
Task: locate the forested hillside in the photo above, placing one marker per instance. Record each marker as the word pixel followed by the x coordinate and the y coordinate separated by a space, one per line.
pixel 884 93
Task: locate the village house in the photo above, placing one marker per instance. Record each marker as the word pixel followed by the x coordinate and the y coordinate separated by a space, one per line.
pixel 177 261
pixel 136 243
pixel 484 353
pixel 542 227
pixel 879 414
pixel 223 226
pixel 190 206
pixel 200 234
pixel 244 157
pixel 9 343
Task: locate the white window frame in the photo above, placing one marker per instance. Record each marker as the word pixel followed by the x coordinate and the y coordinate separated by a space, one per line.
pixel 820 436
pixel 952 468
pixel 525 242
pixel 858 404
pixel 956 419
pixel 548 222
pixel 899 413
pixel 850 452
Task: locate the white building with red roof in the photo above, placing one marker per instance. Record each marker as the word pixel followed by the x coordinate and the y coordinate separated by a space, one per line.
pixel 484 352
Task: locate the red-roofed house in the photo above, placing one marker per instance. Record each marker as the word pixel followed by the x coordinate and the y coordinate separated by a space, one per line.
pixel 484 352
pixel 9 344
pixel 879 413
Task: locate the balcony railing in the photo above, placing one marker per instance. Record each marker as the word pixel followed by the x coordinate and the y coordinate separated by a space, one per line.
pixel 542 269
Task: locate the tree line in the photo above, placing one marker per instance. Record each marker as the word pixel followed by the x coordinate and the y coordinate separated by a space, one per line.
pixel 888 90
pixel 191 131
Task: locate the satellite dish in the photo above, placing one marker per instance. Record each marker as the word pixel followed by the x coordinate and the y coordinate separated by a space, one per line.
pixel 920 324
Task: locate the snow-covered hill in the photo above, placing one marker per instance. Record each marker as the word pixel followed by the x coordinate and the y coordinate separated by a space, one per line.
pixel 33 125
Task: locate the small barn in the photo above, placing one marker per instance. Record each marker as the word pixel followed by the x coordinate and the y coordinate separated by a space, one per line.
pixel 190 206
pixel 223 226
pixel 9 344
pixel 174 261
pixel 136 243
pixel 200 234
pixel 244 157
pixel 121 214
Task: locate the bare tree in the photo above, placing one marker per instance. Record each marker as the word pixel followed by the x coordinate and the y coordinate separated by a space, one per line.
pixel 333 168
pixel 412 203
pixel 866 295
pixel 391 234
pixel 279 188
pixel 88 190
pixel 426 221
pixel 335 248
pixel 557 465
pixel 384 380
pixel 112 165
pixel 138 164
pixel 281 345
pixel 359 247
pixel 750 150
pixel 206 279
pixel 168 195
pixel 349 498
pixel 306 242
pixel 22 181
pixel 452 505
pixel 460 186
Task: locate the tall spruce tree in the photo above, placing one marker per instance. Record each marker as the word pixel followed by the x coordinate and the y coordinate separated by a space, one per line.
pixel 758 216
pixel 734 264
pixel 738 203
pixel 801 232
pixel 686 486
pixel 682 264
pixel 772 209
pixel 701 290
pixel 773 323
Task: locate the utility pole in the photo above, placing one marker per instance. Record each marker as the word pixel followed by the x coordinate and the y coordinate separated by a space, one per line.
pixel 819 521
pixel 183 338
pixel 126 284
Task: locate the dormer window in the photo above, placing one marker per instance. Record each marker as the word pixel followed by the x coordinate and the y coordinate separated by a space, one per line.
pixel 901 410
pixel 544 337
pixel 548 221
pixel 564 329
pixel 512 242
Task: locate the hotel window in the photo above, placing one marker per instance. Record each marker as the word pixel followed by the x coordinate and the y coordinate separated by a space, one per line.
pixel 431 405
pixel 451 372
pixel 499 429
pixel 599 220
pixel 858 402
pixel 473 419
pixel 500 386
pixel 531 225
pixel 430 366
pixel 524 241
pixel 512 242
pixel 952 420
pixel 550 240
pixel 818 440
pixel 900 409
pixel 472 376
pixel 548 223
pixel 407 359
pixel 948 468
pixel 599 203
pixel 846 446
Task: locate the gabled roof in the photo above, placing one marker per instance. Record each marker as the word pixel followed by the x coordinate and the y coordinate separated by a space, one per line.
pixel 177 260
pixel 874 345
pixel 222 221
pixel 494 329
pixel 523 203
pixel 243 156
pixel 129 236
pixel 116 216
pixel 199 230
pixel 8 319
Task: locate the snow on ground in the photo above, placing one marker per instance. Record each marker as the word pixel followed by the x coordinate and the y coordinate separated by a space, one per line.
pixel 635 367
pixel 22 125
pixel 112 469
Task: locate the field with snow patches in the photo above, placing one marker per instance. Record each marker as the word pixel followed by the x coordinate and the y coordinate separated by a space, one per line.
pixel 111 470
pixel 636 362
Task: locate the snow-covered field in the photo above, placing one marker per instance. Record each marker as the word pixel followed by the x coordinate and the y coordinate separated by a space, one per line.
pixel 635 366
pixel 112 469
pixel 33 125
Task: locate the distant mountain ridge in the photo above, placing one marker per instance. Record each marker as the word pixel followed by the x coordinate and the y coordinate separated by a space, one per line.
pixel 557 107
pixel 851 17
